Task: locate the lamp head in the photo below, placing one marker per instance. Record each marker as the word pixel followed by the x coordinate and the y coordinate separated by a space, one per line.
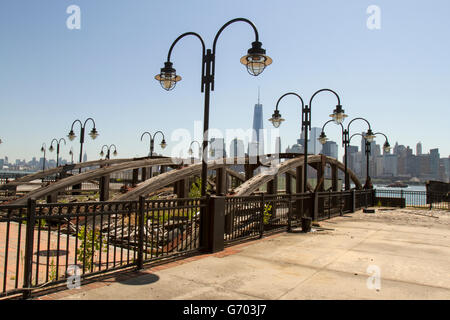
pixel 71 135
pixel 115 153
pixel 387 147
pixel 168 77
pixel 338 114
pixel 163 143
pixel 276 119
pixel 102 153
pixel 93 133
pixel 322 138
pixel 369 136
pixel 256 60
pixel 42 149
pixel 51 148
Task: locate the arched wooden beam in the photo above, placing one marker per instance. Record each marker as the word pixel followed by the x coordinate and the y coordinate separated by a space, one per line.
pixel 251 185
pixel 93 174
pixel 68 167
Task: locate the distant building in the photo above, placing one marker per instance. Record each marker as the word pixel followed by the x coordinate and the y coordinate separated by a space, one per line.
pixel 419 148
pixel 330 149
pixel 434 162
pixel 258 126
pixel 390 162
pixel 85 157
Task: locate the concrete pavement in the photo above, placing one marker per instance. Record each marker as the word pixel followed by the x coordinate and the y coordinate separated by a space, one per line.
pixel 410 248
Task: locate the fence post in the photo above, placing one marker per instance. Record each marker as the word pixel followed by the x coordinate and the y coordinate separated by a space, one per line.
pixel 140 257
pixel 289 229
pixel 315 211
pixel 353 200
pixel 29 243
pixel 261 221
pixel 214 225
pixel 401 196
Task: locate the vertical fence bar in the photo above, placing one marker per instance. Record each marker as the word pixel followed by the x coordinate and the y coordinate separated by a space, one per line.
pixel 140 258
pixel 29 242
pixel 261 218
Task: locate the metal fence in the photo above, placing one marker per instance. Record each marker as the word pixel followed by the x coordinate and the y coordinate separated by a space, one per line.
pixel 40 243
pixel 417 199
pixel 252 217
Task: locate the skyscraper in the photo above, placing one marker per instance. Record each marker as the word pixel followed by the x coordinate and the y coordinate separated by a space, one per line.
pixel 418 148
pixel 314 146
pixel 258 126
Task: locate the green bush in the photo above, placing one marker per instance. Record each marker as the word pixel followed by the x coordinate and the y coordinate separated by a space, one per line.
pixel 90 242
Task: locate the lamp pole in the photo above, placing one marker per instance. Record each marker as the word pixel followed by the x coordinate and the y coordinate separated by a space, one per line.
pixel 71 153
pixel 152 144
pixel 43 150
pixel 369 136
pixel 338 116
pixel 72 136
pixel 191 152
pixel 255 60
pixel 108 151
pixel 58 143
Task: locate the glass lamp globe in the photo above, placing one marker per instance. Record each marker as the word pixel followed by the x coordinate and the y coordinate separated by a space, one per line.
pixel 256 59
pixel 115 153
pixel 93 133
pixel 51 148
pixel 71 135
pixel 369 136
pixel 168 77
pixel 338 115
pixel 276 119
pixel 323 138
pixel 163 144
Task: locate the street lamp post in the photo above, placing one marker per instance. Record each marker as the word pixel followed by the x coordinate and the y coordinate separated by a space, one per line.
pixel 108 151
pixel 191 152
pixel 72 136
pixel 369 136
pixel 152 144
pixel 338 116
pixel 43 150
pixel 71 153
pixel 58 142
pixel 255 61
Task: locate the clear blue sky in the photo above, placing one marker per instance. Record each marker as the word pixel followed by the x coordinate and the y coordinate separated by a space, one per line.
pixel 398 77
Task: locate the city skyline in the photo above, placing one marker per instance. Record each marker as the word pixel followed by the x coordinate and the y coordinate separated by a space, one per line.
pixel 103 70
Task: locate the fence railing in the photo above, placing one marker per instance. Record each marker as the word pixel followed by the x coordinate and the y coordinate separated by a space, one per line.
pixel 417 199
pixel 41 242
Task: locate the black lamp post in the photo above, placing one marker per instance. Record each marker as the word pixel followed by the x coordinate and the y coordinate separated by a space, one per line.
pixel 72 136
pixel 191 152
pixel 58 142
pixel 71 153
pixel 338 116
pixel 152 141
pixel 163 144
pixel 369 136
pixel 255 61
pixel 386 145
pixel 108 151
pixel 43 150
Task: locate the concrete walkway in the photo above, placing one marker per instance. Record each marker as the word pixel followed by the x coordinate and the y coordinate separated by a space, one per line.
pixel 410 249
